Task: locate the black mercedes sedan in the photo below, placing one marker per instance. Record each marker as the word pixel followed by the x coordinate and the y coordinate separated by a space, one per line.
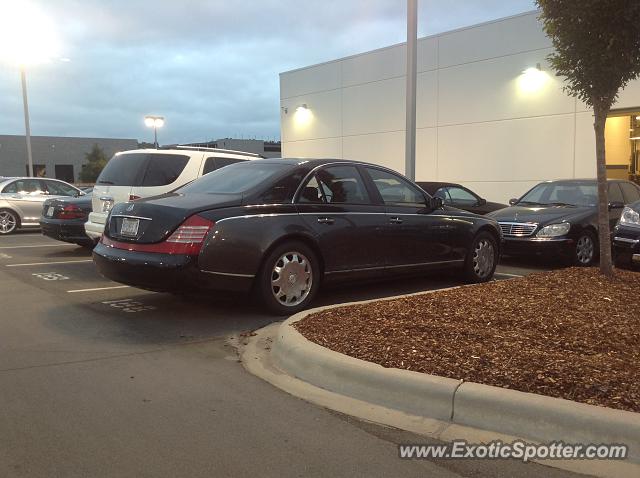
pixel 63 219
pixel 626 236
pixel 561 218
pixel 284 227
pixel 456 195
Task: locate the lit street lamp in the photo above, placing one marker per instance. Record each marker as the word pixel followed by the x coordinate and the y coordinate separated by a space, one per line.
pixel 27 37
pixel 154 122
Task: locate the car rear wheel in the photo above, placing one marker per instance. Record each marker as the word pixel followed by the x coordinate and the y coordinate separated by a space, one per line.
pixel 289 278
pixel 585 252
pixel 8 221
pixel 482 258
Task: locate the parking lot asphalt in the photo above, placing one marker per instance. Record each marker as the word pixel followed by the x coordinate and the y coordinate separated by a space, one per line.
pixel 98 379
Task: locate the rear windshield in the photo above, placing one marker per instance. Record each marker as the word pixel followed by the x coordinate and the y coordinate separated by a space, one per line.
pixel 236 178
pixel 142 169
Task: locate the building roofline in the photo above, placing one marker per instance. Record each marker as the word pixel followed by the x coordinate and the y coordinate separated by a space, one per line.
pixel 435 35
pixel 66 137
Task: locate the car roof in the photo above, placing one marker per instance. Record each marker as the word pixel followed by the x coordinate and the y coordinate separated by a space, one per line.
pixel 18 178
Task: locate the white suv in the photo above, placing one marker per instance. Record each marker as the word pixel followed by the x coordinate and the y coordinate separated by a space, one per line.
pixel 131 175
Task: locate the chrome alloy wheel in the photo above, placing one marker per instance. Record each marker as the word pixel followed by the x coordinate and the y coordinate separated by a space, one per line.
pixel 7 222
pixel 585 250
pixel 483 258
pixel 291 279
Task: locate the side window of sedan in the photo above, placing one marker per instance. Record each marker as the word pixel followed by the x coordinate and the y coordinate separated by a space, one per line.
pixel 30 187
pixel 461 196
pixel 60 189
pixel 394 189
pixel 342 185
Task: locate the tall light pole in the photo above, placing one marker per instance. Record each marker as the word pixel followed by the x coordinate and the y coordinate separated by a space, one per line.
pixel 154 122
pixel 412 58
pixel 27 126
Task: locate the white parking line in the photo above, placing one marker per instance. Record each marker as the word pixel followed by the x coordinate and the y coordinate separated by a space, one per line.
pixel 98 288
pixel 39 245
pixel 48 263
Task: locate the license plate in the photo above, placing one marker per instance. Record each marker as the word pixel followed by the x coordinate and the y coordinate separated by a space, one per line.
pixel 50 211
pixel 129 227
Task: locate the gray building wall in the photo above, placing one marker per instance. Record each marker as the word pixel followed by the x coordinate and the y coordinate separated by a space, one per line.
pixel 54 150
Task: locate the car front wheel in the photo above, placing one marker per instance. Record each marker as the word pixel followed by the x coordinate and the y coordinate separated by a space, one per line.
pixel 289 278
pixel 482 258
pixel 585 252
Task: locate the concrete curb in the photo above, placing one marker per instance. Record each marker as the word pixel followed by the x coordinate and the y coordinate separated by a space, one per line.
pixel 510 412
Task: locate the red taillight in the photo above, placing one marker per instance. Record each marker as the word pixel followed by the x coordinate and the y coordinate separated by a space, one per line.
pixel 71 212
pixel 133 197
pixel 186 240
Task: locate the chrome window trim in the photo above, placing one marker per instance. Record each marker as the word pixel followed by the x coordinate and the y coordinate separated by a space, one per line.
pixel 346 163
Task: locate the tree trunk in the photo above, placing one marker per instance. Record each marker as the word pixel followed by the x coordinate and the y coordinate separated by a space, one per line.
pixel 604 239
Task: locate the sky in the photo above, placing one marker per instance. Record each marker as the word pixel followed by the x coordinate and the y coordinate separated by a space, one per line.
pixel 210 67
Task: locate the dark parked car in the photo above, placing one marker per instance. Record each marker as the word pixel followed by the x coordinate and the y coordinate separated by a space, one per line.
pixel 460 197
pixel 561 217
pixel 626 236
pixel 63 219
pixel 283 227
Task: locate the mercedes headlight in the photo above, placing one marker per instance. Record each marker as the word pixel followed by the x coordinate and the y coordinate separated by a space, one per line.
pixel 630 217
pixel 554 230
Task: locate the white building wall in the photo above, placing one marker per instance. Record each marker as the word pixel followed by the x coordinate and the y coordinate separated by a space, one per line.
pixel 477 122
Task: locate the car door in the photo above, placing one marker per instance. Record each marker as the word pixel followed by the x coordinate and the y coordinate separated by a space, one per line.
pixel 416 236
pixel 335 203
pixel 616 203
pixel 26 197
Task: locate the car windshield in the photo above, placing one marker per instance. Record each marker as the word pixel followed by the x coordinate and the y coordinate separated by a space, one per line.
pixel 567 193
pixel 235 178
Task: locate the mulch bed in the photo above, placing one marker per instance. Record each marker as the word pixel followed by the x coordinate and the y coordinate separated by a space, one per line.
pixel 570 333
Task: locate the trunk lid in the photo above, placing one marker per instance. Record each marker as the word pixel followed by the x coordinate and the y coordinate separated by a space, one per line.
pixel 159 216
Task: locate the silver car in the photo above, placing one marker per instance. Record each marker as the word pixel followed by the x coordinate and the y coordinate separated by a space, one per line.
pixel 21 200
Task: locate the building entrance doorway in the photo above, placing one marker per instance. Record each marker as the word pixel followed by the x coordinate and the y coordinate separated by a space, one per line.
pixel 622 138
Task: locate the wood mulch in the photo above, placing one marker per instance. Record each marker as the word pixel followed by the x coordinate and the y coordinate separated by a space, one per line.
pixel 570 333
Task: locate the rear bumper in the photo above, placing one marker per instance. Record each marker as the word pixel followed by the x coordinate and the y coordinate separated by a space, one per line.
pixel 67 231
pixel 94 227
pixel 162 272
pixel 559 246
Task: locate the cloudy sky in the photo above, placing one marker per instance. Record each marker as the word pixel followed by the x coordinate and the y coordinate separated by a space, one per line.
pixel 209 66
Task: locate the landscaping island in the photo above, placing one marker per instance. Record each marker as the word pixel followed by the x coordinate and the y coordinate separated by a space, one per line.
pixel 570 333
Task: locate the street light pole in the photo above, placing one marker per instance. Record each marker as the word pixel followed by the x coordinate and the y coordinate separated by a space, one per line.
pixel 27 127
pixel 412 57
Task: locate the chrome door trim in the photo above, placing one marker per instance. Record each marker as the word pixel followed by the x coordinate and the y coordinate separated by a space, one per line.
pixel 456 261
pixel 230 274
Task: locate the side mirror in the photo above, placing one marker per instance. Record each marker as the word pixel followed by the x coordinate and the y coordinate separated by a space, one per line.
pixel 513 201
pixel 436 203
pixel 482 202
pixel 616 205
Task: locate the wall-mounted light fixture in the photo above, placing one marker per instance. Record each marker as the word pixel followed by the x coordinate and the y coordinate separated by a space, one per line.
pixel 303 115
pixel 533 79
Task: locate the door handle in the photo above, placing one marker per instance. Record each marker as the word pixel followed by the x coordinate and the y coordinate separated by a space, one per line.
pixel 326 220
pixel 395 220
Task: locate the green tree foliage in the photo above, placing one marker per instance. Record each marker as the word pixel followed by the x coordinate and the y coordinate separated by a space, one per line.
pixel 96 161
pixel 597 45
